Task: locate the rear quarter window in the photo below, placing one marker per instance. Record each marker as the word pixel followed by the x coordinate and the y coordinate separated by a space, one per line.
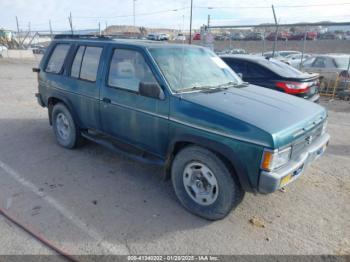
pixel 90 63
pixel 86 62
pixel 57 58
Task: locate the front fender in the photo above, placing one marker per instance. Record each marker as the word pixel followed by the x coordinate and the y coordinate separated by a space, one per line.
pixel 224 150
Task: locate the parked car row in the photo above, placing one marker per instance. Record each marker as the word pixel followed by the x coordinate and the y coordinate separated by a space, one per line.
pixel 158 37
pixel 282 36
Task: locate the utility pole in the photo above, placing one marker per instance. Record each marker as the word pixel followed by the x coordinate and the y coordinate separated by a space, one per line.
pixel 348 73
pixel 18 36
pixel 133 8
pixel 70 22
pixel 303 51
pixel 50 28
pixel 190 40
pixel 264 43
pixel 99 28
pixel 276 32
pixel 208 21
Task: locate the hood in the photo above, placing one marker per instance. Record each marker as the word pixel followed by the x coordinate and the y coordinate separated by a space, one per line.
pixel 284 117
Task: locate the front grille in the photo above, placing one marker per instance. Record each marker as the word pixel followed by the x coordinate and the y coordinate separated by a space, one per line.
pixel 302 143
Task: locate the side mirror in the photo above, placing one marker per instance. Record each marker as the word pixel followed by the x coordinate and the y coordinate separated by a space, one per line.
pixel 151 90
pixel 240 75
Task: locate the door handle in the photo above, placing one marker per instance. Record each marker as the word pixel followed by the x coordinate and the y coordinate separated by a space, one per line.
pixel 106 100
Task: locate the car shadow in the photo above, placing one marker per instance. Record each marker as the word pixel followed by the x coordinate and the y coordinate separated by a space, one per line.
pixel 339 150
pixel 117 197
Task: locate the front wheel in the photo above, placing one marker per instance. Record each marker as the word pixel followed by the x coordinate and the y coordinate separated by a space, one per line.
pixel 203 183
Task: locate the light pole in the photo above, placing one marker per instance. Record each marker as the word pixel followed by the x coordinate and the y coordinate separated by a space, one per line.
pixel 190 40
pixel 133 1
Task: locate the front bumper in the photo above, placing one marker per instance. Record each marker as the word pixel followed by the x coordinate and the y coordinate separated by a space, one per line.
pixel 39 99
pixel 272 181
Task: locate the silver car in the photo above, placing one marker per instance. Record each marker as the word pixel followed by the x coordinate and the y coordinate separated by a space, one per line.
pixel 329 66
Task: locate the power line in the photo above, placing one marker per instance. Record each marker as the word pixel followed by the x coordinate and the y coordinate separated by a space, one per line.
pixel 268 7
pixel 131 15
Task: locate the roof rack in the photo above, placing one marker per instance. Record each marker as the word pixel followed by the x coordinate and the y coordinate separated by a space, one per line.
pixel 91 36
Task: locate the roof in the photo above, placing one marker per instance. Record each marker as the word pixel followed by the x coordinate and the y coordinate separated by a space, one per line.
pixel 111 39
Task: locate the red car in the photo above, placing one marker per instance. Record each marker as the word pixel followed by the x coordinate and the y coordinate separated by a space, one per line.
pixel 197 36
pixel 300 36
pixel 280 36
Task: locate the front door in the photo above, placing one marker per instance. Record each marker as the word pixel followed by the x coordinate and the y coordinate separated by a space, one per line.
pixel 125 114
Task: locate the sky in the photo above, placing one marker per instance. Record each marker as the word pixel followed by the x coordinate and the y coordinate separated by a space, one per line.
pixel 175 14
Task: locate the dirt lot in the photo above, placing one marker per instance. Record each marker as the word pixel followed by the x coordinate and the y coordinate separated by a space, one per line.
pixel 92 201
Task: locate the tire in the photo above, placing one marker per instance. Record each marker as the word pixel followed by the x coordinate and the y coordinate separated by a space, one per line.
pixel 66 130
pixel 221 198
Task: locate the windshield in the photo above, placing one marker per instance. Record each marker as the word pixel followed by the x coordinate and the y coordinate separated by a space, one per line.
pixel 192 68
pixel 342 61
pixel 287 53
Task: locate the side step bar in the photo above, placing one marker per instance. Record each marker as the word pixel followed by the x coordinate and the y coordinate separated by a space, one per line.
pixel 126 150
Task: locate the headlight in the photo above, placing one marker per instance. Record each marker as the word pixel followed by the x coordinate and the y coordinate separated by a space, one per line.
pixel 275 159
pixel 324 127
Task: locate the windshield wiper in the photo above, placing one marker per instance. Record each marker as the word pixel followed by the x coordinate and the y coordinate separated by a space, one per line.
pixel 193 88
pixel 213 88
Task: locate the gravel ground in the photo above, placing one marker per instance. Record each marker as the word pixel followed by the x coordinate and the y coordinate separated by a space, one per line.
pixel 92 201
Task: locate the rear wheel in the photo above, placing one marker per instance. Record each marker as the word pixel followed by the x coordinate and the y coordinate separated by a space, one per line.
pixel 203 183
pixel 66 131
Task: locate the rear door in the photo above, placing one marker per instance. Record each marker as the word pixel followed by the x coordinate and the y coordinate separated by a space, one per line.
pixel 84 83
pixel 125 114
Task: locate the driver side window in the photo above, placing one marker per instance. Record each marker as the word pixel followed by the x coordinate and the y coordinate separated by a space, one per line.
pixel 128 69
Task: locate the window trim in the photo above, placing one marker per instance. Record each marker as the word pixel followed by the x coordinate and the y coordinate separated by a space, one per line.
pixel 81 62
pixel 109 68
pixel 74 56
pixel 64 61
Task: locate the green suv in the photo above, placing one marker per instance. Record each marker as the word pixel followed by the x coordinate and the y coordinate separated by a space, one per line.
pixel 181 107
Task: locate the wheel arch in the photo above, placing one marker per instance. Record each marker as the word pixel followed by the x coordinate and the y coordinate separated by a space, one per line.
pixel 221 150
pixel 57 98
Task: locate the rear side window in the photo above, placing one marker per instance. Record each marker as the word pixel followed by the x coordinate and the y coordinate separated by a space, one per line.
pixel 57 58
pixel 257 71
pixel 237 66
pixel 86 62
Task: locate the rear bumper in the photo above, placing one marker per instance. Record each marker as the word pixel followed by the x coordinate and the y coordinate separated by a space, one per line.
pixel 272 181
